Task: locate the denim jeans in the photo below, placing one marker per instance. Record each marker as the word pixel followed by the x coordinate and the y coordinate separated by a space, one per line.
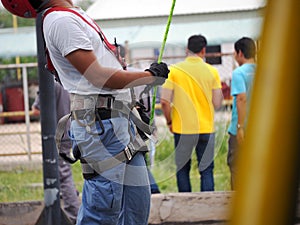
pixel 118 196
pixel 204 146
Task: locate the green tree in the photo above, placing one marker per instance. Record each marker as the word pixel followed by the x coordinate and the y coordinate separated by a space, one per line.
pixel 6 20
pixel 10 75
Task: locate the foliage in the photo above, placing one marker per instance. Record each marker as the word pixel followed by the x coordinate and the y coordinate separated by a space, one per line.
pixel 21 184
pixel 6 20
pixel 11 75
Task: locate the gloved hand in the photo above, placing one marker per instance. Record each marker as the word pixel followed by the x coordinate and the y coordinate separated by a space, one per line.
pixel 159 70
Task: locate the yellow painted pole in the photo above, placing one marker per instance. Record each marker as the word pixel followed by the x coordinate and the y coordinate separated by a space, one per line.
pixel 270 158
pixel 15 26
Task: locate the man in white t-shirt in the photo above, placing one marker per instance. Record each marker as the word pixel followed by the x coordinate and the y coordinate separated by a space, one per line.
pixel 89 70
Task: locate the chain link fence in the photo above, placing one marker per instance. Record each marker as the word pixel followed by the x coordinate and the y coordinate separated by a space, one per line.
pixel 20 132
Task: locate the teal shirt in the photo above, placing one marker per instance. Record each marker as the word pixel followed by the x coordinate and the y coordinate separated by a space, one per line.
pixel 242 79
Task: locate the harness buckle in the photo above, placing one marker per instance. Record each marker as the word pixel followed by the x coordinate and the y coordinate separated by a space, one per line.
pixel 128 153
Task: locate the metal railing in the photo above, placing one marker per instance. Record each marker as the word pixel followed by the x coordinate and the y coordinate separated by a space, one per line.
pixel 18 129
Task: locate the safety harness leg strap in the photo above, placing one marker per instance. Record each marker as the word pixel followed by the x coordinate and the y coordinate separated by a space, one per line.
pixel 92 169
pixel 60 130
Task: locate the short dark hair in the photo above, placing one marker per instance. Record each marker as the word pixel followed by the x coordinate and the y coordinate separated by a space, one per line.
pixel 247 46
pixel 196 43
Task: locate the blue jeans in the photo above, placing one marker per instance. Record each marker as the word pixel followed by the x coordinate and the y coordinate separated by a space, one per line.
pixel 120 195
pixel 204 145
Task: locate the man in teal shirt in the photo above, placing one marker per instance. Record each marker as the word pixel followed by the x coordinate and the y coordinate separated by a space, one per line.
pixel 241 86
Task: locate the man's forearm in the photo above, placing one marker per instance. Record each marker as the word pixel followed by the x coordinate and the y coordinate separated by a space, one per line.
pixel 241 103
pixel 166 108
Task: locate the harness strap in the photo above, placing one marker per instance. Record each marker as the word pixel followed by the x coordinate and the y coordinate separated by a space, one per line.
pixel 79 102
pixel 119 106
pixel 146 128
pixel 95 26
pixel 92 169
pixel 110 47
pixel 60 130
pixel 125 155
pixel 108 102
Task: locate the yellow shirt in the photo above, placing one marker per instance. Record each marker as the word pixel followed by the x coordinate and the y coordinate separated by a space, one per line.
pixel 192 82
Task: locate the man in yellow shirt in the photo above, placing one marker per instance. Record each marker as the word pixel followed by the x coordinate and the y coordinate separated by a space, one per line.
pixel 189 97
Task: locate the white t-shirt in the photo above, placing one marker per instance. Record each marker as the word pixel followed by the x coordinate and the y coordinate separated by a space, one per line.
pixel 66 32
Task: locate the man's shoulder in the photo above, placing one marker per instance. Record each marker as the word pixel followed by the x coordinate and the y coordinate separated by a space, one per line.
pixel 58 16
pixel 239 70
pixel 178 64
pixel 212 68
pixel 244 69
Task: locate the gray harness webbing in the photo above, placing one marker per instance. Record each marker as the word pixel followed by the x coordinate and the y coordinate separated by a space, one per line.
pixel 79 102
pixel 116 107
pixel 89 169
pixel 60 130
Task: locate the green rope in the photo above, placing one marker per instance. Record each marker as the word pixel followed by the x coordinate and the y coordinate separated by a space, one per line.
pixel 160 59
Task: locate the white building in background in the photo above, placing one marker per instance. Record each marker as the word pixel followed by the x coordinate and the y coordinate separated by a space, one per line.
pixel 142 23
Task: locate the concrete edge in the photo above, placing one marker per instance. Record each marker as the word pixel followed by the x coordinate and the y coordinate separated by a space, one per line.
pixel 173 208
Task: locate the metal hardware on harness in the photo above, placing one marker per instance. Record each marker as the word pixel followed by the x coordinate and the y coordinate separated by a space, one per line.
pixel 87 112
pixel 80 102
pixel 99 119
pixel 128 153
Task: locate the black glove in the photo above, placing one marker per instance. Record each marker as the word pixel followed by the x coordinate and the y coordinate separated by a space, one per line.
pixel 159 70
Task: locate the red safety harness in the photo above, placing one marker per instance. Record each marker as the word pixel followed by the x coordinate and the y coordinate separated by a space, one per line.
pixel 112 48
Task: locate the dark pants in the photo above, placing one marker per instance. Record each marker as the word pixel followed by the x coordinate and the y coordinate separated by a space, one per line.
pixel 204 145
pixel 231 158
pixel 67 187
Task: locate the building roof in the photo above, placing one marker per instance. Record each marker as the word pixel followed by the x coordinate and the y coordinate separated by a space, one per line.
pixel 228 20
pixel 20 42
pixel 143 22
pixel 216 32
pixel 116 9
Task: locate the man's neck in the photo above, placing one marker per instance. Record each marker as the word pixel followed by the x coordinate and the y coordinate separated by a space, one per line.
pixel 249 61
pixel 61 3
pixel 191 54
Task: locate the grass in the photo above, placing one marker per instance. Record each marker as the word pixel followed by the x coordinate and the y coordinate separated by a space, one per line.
pixel 26 185
pixel 21 185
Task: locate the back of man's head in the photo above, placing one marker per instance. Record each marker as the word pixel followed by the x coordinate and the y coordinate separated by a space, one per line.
pixel 196 43
pixel 246 46
pixel 36 4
